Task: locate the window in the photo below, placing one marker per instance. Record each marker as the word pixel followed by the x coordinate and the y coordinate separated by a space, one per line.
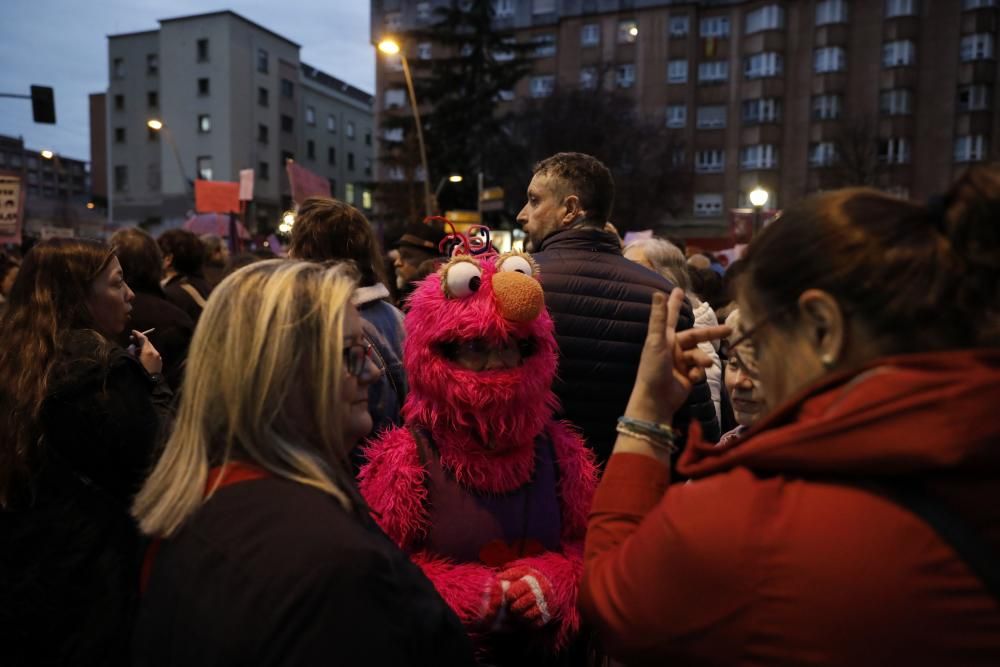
pixel 393 134
pixel 977 47
pixel 349 193
pixel 152 99
pixel 311 116
pixel 286 156
pixel 542 86
pixel 831 11
pixel 709 161
pixel 311 149
pixel 543 6
pixel 287 88
pixel 894 150
pixel 368 166
pixel 331 123
pixel 262 97
pixel 545 45
pixel 203 87
pixel 976 4
pixel 707 205
pixel 263 171
pixel 764 110
pixel 628 32
pixel 202 45
pixel 118 68
pixel 331 156
pixel 204 123
pixel 393 21
pixel 713 71
pixel 424 51
pixel 333 186
pixel 395 98
pixel 287 123
pixel 710 117
pixel 679 26
pixel 974 98
pixel 829 59
pixel 970 148
pixel 625 76
pixel 899 8
pixel 119 135
pixel 152 64
pixel 677 115
pixel 121 178
pixel 677 71
pixel 826 107
pixel 588 78
pixel 759 156
pixel 119 103
pixel 263 61
pixel 762 65
pixel 366 199
pixel 424 11
pixel 506 95
pixel 349 130
pixel 204 169
pixel 368 137
pixel 714 26
pixel 263 134
pixel 769 17
pixel 897 54
pixel 896 102
pixel 590 34
pixel 822 154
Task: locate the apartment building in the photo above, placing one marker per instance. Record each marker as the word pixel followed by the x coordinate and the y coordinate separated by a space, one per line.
pixel 763 92
pixel 230 95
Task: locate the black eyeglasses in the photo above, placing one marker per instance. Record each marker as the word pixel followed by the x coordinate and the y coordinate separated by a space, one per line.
pixel 356 356
pixel 475 354
pixel 745 351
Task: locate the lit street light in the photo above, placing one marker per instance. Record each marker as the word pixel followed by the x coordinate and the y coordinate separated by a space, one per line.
pixel 453 178
pixel 391 47
pixel 157 125
pixel 758 197
pixel 47 154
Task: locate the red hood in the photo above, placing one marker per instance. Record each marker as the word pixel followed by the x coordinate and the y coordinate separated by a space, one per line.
pixel 905 414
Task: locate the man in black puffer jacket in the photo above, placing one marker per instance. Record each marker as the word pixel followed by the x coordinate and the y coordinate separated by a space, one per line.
pixel 599 300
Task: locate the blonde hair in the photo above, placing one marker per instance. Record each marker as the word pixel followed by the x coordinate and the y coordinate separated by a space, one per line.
pixel 266 328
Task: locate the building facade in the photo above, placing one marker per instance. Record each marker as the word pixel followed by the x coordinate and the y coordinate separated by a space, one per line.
pixel 794 96
pixel 230 95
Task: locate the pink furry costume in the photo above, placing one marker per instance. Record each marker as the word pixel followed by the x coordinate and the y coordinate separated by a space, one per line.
pixel 486 491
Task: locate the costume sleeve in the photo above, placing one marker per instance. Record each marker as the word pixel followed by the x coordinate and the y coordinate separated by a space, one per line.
pixel 577 478
pixel 652 554
pixel 393 483
pixel 563 571
pixel 466 587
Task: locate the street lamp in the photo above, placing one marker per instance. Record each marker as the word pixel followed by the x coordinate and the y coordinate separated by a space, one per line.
pixel 47 154
pixel 758 197
pixel 453 178
pixel 157 125
pixel 391 47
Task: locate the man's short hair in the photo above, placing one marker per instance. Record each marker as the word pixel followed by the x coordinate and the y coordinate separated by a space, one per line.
pixel 586 177
pixel 186 248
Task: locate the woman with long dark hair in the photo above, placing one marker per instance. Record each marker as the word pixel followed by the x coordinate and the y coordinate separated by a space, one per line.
pixel 79 419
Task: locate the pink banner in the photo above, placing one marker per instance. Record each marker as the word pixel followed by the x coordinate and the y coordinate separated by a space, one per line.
pixel 305 183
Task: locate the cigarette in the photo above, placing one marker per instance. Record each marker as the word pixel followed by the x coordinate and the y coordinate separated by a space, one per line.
pixel 148 331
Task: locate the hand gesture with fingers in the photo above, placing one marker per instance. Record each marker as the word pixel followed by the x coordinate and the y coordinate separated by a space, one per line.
pixel 671 362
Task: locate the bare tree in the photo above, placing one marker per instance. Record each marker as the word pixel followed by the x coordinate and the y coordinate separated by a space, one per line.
pixel 857 153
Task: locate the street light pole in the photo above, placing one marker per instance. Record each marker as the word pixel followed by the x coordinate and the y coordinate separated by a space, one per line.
pixel 758 197
pixel 161 127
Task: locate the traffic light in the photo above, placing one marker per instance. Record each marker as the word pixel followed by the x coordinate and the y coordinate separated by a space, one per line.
pixel 43 104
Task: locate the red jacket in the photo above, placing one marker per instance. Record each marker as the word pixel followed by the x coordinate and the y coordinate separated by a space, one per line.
pixel 754 563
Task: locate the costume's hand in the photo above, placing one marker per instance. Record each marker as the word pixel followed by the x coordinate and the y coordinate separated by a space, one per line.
pixel 494 607
pixel 671 362
pixel 528 596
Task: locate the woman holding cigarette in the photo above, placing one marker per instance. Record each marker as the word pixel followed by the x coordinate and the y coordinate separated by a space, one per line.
pixel 79 419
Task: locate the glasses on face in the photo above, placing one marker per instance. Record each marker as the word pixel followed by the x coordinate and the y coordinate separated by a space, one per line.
pixel 475 354
pixel 356 357
pixel 745 351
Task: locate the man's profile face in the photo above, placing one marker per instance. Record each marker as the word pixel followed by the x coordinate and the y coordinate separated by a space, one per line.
pixel 545 211
pixel 408 263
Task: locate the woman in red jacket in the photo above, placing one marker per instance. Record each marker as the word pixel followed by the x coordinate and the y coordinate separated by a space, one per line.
pixel 873 324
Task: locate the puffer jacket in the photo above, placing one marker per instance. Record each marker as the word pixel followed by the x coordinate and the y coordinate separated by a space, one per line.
pixel 704 316
pixel 600 302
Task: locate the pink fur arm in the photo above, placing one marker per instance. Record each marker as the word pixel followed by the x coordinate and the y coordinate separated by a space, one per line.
pixel 464 586
pixel 393 485
pixel 577 479
pixel 564 571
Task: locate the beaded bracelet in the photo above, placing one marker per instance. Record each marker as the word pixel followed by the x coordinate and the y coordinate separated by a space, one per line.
pixel 655 429
pixel 657 443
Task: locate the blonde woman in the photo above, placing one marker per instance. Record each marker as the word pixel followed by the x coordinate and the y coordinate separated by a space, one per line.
pixel 263 551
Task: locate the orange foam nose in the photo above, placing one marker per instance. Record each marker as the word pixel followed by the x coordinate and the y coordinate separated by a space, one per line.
pixel 519 296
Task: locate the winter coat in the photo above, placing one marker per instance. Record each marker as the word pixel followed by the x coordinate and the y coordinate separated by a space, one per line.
pixel 69 552
pixel 383 326
pixel 704 316
pixel 271 572
pixel 600 302
pixel 179 290
pixel 173 330
pixel 776 553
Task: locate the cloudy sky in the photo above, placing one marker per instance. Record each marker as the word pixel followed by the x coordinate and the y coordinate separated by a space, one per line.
pixel 62 43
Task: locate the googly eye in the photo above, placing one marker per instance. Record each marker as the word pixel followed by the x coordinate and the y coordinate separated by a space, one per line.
pixel 462 279
pixel 518 263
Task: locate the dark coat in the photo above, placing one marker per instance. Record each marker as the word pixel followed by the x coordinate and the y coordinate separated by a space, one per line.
pixel 600 302
pixel 69 551
pixel 271 572
pixel 176 290
pixel 174 328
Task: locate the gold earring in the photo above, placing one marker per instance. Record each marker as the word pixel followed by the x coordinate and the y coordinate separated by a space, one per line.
pixel 828 361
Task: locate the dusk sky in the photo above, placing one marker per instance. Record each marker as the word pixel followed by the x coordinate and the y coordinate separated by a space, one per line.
pixel 63 44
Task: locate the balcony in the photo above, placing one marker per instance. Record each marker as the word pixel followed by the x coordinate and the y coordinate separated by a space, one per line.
pixel 769 40
pixel 979 20
pixel 901 27
pixel 773 86
pixel 974 122
pixel 761 134
pixel 835 34
pixel 977 71
pixel 829 82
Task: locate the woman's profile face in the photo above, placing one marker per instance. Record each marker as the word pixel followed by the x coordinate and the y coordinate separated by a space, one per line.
pixel 110 300
pixel 354 416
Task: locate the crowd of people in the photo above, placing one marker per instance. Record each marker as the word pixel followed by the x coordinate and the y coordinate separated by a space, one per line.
pixel 582 453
